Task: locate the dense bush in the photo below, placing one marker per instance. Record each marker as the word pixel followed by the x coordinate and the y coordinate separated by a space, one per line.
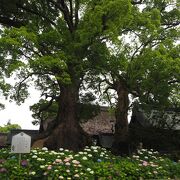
pixel 91 163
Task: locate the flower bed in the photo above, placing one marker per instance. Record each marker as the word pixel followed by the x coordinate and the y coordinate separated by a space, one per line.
pixel 91 163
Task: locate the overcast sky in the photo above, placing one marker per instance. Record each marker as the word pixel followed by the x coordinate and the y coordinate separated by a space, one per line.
pixel 19 114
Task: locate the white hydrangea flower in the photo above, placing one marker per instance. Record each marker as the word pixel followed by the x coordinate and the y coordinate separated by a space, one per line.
pixel 94 147
pixel 33 173
pixel 70 156
pixel 88 169
pixel 34 151
pixel 75 162
pixel 87 150
pixel 84 158
pixel 45 149
pixel 76 175
pixel 67 164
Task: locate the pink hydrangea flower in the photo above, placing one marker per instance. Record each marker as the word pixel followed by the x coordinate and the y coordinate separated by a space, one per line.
pixel 75 162
pixel 145 163
pixel 67 159
pixel 49 167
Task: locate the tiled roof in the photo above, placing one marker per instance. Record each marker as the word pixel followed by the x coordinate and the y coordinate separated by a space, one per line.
pixel 102 123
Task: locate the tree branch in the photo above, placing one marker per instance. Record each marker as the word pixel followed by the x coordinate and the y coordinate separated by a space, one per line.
pixel 35 13
pixel 134 2
pixel 64 9
pixel 11 22
pixel 76 13
pixel 109 99
pixel 71 9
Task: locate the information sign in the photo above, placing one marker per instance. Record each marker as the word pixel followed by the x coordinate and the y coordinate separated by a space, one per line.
pixel 21 143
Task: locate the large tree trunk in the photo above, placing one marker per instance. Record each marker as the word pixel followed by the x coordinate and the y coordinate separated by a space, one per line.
pixel 67 132
pixel 120 144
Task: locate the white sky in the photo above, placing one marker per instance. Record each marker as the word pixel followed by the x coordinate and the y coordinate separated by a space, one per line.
pixel 19 114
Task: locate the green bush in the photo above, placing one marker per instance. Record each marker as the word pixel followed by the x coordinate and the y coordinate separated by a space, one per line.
pixel 92 163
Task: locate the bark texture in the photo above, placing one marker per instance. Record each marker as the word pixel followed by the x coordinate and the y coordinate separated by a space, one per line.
pixel 120 144
pixel 67 132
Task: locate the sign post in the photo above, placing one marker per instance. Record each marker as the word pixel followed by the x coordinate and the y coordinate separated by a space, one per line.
pixel 21 143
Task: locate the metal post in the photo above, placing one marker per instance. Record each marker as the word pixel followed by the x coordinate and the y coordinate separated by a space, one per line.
pixel 19 159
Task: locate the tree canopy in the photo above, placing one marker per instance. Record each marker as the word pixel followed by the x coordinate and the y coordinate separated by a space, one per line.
pixel 129 46
pixel 8 127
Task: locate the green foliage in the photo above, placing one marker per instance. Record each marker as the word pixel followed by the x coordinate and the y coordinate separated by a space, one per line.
pixel 8 127
pixel 59 44
pixel 158 68
pixel 47 46
pixel 91 163
pixel 105 18
pixel 145 58
pixel 44 110
pixel 1 106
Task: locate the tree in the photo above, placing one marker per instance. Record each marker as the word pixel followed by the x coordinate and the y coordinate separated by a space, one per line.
pixel 4 87
pixel 144 62
pixel 61 44
pixel 55 44
pixel 44 112
pixel 8 127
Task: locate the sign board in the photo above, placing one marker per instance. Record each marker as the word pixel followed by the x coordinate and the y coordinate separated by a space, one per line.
pixel 21 143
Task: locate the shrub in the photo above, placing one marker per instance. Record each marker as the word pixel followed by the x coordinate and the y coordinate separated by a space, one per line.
pixel 91 163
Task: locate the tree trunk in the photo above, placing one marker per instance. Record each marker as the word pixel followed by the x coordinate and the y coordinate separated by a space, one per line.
pixel 120 144
pixel 68 133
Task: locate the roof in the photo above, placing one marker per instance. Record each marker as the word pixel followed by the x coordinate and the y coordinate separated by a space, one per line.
pixel 102 123
pixel 167 119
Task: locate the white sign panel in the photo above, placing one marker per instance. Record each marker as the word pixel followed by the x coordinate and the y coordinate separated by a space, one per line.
pixel 21 143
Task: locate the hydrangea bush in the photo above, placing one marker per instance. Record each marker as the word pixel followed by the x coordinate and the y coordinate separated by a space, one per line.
pixel 91 163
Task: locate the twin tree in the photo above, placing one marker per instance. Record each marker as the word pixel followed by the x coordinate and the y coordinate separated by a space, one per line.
pixel 62 45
